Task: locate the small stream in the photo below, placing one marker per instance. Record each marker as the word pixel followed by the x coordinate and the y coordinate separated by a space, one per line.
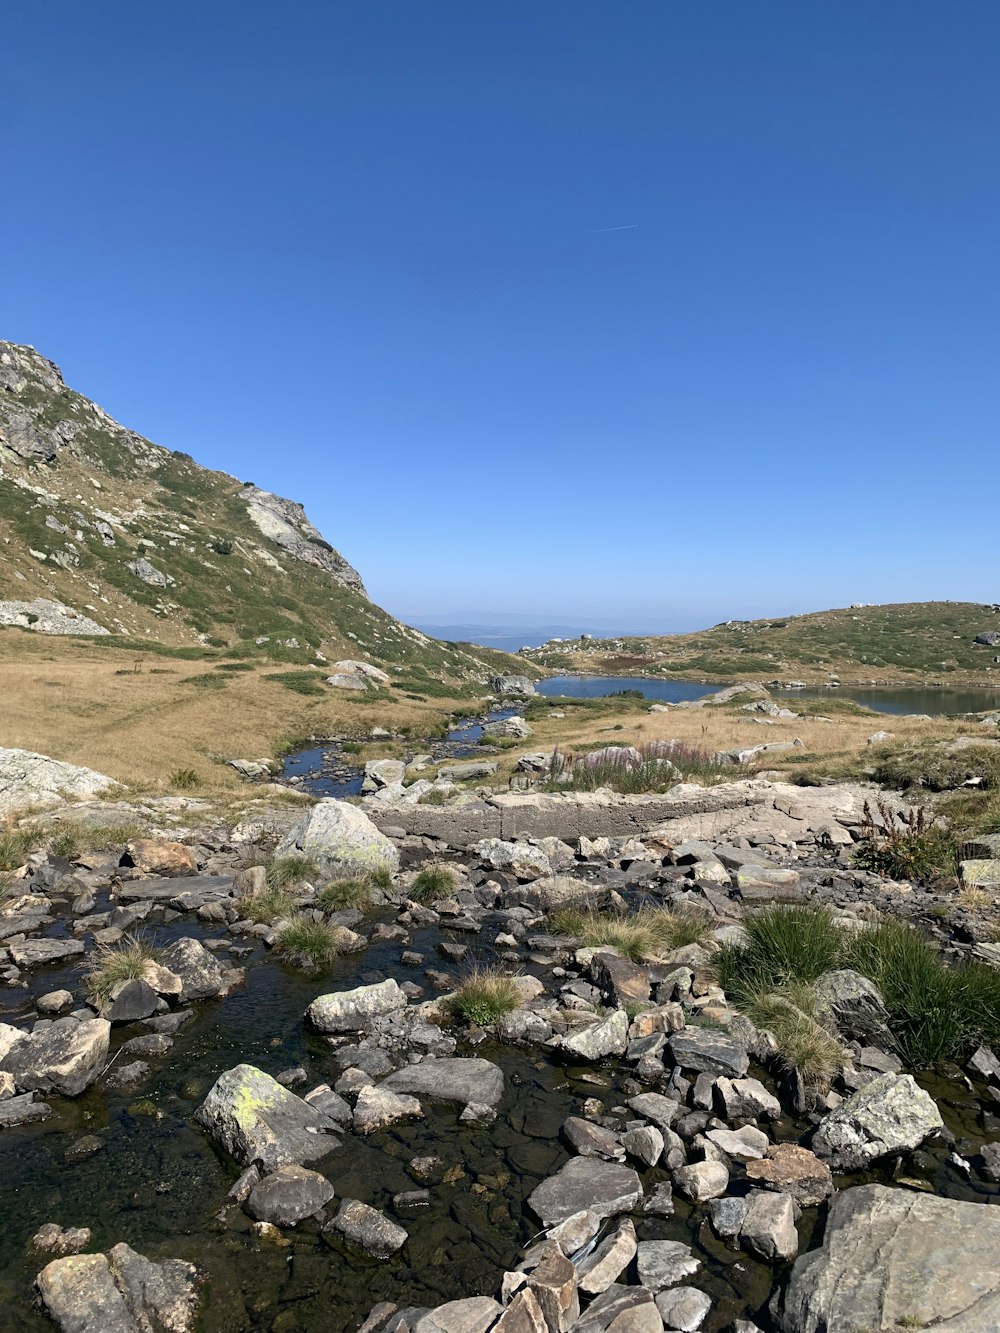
pixel 157 1182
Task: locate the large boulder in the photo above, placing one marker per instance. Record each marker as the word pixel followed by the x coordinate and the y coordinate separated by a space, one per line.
pixel 64 1057
pixel 472 1082
pixel 894 1259
pixel 201 974
pixel 890 1114
pixel 160 856
pixel 341 837
pixel 706 1050
pixel 120 1292
pixel 597 1040
pixel 259 1122
pixel 27 778
pixel 512 685
pixel 354 1010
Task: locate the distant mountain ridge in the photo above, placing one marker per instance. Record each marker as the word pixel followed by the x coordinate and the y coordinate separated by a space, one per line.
pixel 125 537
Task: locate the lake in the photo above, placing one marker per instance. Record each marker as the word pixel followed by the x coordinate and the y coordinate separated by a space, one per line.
pixel 935 703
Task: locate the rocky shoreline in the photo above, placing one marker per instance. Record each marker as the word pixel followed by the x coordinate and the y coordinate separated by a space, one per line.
pixel 622 1149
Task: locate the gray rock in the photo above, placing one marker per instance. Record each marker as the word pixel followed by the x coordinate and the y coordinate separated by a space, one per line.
pixel 889 1114
pixel 130 1001
pixel 510 727
pixel 664 1263
pixel 743 1145
pixel 258 1121
pixel 120 1292
pixel 520 859
pixel 201 975
pixel 895 1259
pixel 702 1181
pixel 609 1260
pixel 342 838
pixel 22 1110
pixel 644 1144
pixel 591 1140
pixel 603 1188
pixel 621 1309
pixel 683 1308
pixel 288 1195
pixel 32 953
pixel 728 1215
pixel 856 1006
pixel 367 1227
pixel 148 573
pixel 354 1010
pixel 54 1002
pixel 768 1229
pixel 54 1239
pixel 512 685
pixel 27 778
pixel 607 1037
pixel 653 1106
pixel 65 1057
pixel 470 1081
pixel 709 1050
pixel 377 1107
pixel 744 1099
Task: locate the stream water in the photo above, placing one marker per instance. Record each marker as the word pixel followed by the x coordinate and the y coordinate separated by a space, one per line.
pixel 156 1181
pixel 933 702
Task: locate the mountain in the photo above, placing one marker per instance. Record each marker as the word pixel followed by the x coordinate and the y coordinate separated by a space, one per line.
pixel 109 535
pixel 903 642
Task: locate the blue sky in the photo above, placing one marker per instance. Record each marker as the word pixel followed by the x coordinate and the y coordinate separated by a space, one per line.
pixel 655 312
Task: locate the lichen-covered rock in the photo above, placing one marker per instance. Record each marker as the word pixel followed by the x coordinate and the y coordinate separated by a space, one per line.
pixel 890 1114
pixel 120 1292
pixel 340 837
pixel 354 1010
pixel 259 1122
pixel 202 975
pixel 64 1057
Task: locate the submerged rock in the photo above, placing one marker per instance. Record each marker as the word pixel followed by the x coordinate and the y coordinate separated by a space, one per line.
pixel 473 1082
pixel 367 1227
pixel 894 1259
pixel 586 1183
pixel 289 1195
pixel 258 1121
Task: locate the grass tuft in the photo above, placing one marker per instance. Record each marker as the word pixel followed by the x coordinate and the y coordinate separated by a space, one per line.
pixel 485 995
pixel 115 963
pixel 16 844
pixel 306 943
pixel 285 870
pixel 648 933
pixel 434 882
pixel 344 893
pixel 267 907
pixel 184 779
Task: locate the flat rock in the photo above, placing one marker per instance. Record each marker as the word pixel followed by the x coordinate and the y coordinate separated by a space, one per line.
pixel 27 778
pixel 608 1261
pixel 683 1308
pixel 377 1107
pixel 894 1259
pixel 598 1040
pixel 707 1050
pixel 160 856
pixel 664 1263
pixel 471 1081
pixel 33 953
pixel 603 1188
pixel 258 1121
pixel 475 1314
pixel 791 1169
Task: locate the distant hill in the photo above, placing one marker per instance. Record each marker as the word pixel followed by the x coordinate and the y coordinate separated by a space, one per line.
pixel 908 642
pixel 145 547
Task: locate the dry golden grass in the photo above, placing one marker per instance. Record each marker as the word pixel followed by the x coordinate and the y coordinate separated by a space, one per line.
pixel 65 699
pixel 828 747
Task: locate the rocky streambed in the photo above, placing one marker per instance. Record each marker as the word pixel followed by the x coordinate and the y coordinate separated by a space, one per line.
pixel 619 1151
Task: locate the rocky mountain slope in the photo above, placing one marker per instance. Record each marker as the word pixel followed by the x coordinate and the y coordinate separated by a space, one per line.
pixel 106 534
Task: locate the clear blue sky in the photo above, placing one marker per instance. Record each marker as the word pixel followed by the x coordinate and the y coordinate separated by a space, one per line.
pixel 642 312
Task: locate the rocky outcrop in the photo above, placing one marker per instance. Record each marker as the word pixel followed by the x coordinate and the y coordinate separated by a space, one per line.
pixel 285 523
pixel 47 617
pixel 889 1114
pixel 342 838
pixel 894 1259
pixel 27 778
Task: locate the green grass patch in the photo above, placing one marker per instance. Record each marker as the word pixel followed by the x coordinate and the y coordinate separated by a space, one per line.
pixel 342 894
pixel 299 682
pixel 306 943
pixel 16 844
pixel 649 933
pixel 434 882
pixel 184 779
pixel 911 846
pixel 267 907
pixel 285 870
pixel 115 963
pixel 484 996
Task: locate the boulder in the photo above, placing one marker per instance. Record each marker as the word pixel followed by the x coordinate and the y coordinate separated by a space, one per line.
pixel 683 1308
pixel 511 728
pixel 288 1195
pixel 120 1292
pixel 65 1057
pixel 607 1037
pixel 702 1181
pixel 603 1188
pixel 512 685
pixel 377 1107
pixel 32 953
pixel 744 1099
pixel 664 1263
pixel 27 778
pixel 894 1259
pixel 159 856
pixel 590 1140
pixel 708 1050
pixel 258 1121
pixel 768 1228
pixel 517 858
pixel 201 974
pixel 621 1309
pixel 608 1261
pixel 888 1115
pixel 381 773
pixel 354 1010
pixel 342 838
pixel 474 1314
pixel 130 1001
pixel 469 1081
pixel 367 1227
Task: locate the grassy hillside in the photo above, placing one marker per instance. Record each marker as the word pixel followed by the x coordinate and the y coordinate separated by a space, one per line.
pixel 911 643
pixel 213 610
